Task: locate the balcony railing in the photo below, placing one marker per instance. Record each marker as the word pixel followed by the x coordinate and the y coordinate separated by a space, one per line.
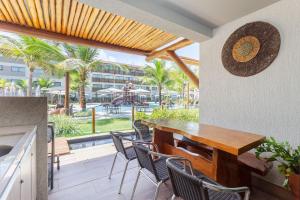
pixel 131 73
pixel 106 80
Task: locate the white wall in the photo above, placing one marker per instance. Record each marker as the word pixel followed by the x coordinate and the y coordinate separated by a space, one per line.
pixel 267 103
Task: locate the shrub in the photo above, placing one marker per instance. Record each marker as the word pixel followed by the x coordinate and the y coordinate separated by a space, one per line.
pixel 64 125
pixel 141 115
pixel 178 114
pixel 87 113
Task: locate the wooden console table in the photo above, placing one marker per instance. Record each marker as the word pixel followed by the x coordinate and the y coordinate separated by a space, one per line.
pixel 227 146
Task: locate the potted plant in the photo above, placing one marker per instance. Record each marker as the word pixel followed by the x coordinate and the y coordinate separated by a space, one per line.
pixel 288 159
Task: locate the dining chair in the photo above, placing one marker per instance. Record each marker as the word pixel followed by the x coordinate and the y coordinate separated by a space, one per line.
pixel 150 161
pixel 188 186
pixel 126 153
pixel 142 131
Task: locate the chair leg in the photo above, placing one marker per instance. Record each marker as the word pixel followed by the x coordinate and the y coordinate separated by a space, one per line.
pixel 247 195
pixel 112 167
pixel 173 197
pixel 135 184
pixel 58 162
pixel 157 190
pixel 123 176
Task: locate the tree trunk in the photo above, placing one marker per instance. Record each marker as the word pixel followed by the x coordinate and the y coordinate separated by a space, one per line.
pixel 82 97
pixel 159 94
pixel 82 76
pixel 29 87
pixel 67 92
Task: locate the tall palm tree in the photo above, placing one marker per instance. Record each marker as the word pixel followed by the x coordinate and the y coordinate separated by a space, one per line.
pixel 83 60
pixel 179 78
pixel 68 59
pixel 45 82
pixel 157 74
pixel 27 49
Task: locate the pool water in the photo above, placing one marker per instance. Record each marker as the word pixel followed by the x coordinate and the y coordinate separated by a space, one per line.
pixel 127 108
pixel 81 145
pixel 91 143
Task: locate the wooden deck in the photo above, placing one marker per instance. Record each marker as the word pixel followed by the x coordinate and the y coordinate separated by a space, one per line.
pixel 61 146
pixel 84 175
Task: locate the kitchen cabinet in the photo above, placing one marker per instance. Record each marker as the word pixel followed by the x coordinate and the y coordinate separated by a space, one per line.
pixel 22 185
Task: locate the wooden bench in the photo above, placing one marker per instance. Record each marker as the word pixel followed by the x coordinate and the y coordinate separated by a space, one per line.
pixel 258 166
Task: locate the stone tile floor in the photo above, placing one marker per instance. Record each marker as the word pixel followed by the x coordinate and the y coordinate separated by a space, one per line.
pixel 84 176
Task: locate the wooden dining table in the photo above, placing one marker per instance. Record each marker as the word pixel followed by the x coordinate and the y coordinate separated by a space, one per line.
pixel 226 145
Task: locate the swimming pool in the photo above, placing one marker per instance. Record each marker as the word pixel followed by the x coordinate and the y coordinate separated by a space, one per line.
pixel 86 142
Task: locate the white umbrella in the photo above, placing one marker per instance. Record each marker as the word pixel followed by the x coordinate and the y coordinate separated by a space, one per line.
pixel 110 90
pixel 138 91
pixel 58 92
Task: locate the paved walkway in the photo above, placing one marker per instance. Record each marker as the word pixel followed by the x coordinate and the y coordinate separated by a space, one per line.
pixel 84 176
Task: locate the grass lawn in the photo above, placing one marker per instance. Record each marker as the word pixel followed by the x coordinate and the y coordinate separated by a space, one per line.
pixel 104 125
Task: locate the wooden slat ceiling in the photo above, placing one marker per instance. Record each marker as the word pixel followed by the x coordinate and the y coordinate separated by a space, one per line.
pixel 72 18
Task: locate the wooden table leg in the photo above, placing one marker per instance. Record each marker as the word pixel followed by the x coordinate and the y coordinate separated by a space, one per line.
pixel 162 137
pixel 228 172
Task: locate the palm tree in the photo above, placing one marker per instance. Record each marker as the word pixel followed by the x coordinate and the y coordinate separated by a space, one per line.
pixel 68 59
pixel 22 84
pixel 83 60
pixel 44 82
pixel 29 50
pixel 179 78
pixel 3 83
pixel 157 74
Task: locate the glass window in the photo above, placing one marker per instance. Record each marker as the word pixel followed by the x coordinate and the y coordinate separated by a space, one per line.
pixel 96 75
pixel 39 71
pixel 119 77
pixel 56 84
pixel 108 76
pixel 97 85
pixel 1 67
pixel 17 69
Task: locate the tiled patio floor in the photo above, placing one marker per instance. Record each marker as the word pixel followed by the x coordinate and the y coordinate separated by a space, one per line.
pixel 84 176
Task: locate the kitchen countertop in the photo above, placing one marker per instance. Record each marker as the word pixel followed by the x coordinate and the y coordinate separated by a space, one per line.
pixel 19 137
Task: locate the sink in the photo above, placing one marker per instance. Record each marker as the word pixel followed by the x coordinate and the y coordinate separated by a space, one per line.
pixel 5 149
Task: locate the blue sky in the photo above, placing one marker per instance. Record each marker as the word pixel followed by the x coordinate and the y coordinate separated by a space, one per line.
pixel 191 51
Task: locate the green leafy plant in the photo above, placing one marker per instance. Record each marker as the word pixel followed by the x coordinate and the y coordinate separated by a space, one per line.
pixel 86 113
pixel 141 115
pixel 64 125
pixel 178 114
pixel 281 152
pixel 157 74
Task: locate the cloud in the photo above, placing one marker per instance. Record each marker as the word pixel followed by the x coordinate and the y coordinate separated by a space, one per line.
pixel 104 56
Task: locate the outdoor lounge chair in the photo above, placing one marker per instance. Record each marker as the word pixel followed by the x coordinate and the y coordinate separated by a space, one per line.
pixel 126 153
pixel 142 131
pixel 188 186
pixel 147 163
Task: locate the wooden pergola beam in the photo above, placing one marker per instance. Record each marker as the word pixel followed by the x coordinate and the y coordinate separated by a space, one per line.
pixel 186 60
pixel 173 47
pixel 25 30
pixel 184 68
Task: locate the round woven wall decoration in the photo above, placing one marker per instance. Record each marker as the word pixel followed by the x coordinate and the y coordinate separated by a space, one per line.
pixel 251 49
